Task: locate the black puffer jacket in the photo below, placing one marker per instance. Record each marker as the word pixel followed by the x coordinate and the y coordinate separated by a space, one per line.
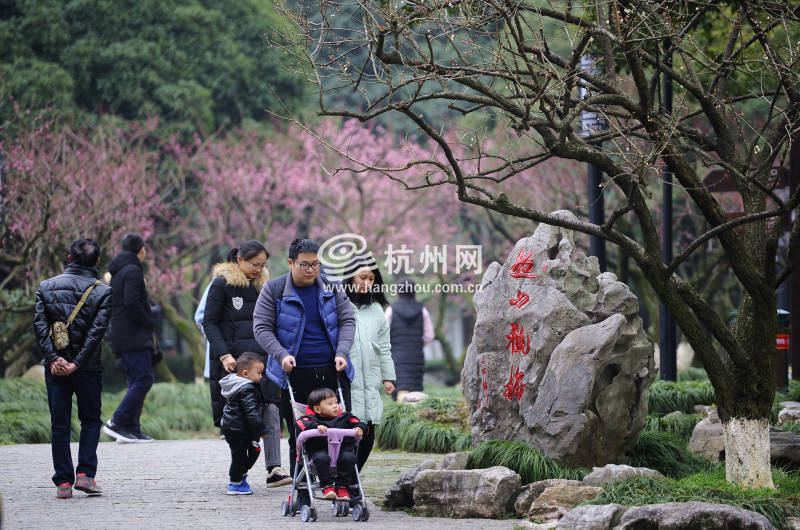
pixel 131 317
pixel 55 300
pixel 243 414
pixel 228 319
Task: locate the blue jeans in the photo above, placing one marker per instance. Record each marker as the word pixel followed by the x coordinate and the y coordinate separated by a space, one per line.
pixel 139 374
pixel 87 387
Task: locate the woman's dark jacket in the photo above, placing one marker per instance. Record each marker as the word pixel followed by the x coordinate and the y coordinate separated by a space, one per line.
pixel 132 320
pixel 406 332
pixel 55 300
pixel 228 319
pixel 243 415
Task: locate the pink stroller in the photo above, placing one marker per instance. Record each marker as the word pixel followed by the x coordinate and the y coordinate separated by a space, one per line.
pixel 304 468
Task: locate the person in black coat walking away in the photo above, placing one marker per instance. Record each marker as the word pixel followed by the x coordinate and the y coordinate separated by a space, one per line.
pixel 132 338
pixel 74 369
pixel 410 329
pixel 228 326
pixel 243 419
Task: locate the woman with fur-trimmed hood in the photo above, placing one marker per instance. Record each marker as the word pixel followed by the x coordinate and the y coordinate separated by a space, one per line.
pixel 228 318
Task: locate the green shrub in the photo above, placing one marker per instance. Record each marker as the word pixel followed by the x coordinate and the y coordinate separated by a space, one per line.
pixel 710 486
pixel 681 425
pixel 434 426
pixel 667 454
pixel 531 464
pixel 791 427
pixel 668 396
pixel 171 410
pixel 692 374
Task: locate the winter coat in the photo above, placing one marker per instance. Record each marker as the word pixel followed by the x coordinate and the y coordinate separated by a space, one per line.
pixel 371 357
pixel 56 298
pixel 132 319
pixel 279 320
pixel 228 319
pixel 406 338
pixel 344 420
pixel 243 414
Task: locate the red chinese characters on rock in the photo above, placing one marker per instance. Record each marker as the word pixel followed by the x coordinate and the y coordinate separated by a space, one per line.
pixel 521 300
pixel 518 341
pixel 484 384
pixel 515 387
pixel 523 266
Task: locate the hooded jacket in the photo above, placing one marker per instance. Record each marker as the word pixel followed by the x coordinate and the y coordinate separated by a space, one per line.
pixel 56 298
pixel 371 357
pixel 131 317
pixel 243 414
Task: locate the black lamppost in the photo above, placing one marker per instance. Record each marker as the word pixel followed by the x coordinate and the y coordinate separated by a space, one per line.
pixel 668 366
pixel 592 122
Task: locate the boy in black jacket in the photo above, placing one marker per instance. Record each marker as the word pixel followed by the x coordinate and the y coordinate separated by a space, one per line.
pixel 242 419
pixel 322 413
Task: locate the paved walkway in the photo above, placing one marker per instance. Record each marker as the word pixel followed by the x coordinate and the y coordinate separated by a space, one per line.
pixel 181 484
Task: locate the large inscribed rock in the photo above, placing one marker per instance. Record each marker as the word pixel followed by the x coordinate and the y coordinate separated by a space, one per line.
pixel 558 358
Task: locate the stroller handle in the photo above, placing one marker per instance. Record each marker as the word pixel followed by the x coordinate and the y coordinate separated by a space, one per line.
pixel 333 435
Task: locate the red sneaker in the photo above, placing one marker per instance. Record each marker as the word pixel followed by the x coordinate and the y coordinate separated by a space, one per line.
pixel 342 494
pixel 328 493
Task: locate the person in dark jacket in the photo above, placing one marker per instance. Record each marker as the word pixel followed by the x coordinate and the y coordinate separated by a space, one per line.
pixel 76 369
pixel 132 338
pixel 323 413
pixel 243 419
pixel 228 326
pixel 410 329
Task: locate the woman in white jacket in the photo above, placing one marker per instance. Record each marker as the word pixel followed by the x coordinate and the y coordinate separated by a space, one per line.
pixel 371 354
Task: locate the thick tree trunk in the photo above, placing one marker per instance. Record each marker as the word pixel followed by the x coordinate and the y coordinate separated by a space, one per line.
pixel 747 452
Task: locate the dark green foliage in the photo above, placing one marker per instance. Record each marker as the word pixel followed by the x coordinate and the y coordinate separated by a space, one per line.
pixel 692 374
pixel 668 396
pixel 791 427
pixel 172 410
pixel 710 486
pixel 202 64
pixel 531 464
pixel 667 454
pixel 434 426
pixel 680 426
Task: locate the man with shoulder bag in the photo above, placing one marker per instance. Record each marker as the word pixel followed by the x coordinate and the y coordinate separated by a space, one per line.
pixel 71 316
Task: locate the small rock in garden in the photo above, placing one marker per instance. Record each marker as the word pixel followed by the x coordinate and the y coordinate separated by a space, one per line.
pixel 530 492
pixel 486 493
pixel 784 449
pixel 590 517
pixel 704 410
pixel 555 501
pixel 675 415
pixel 455 461
pixel 691 515
pixel 614 473
pixel 401 495
pixel 707 440
pixel 793 523
pixel 790 413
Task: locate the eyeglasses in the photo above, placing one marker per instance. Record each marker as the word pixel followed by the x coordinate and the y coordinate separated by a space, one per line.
pixel 257 266
pixel 309 266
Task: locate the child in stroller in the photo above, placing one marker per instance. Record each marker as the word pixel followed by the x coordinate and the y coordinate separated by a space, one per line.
pixel 328 437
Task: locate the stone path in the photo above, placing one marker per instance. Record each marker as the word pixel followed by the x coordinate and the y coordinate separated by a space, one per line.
pixel 181 484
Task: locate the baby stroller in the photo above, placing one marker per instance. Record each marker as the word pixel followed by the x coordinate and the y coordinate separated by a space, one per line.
pixel 304 468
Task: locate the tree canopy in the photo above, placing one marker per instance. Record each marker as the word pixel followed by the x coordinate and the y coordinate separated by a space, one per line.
pixel 199 63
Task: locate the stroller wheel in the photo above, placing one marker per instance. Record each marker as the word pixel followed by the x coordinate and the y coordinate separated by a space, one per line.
pixel 305 513
pixel 357 510
pixel 284 508
pixel 312 515
pixel 365 514
pixel 342 509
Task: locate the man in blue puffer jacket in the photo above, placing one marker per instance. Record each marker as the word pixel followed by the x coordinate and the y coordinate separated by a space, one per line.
pixel 306 325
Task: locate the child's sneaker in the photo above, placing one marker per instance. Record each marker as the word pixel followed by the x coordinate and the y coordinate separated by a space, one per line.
pixel 328 493
pixel 64 491
pixel 342 494
pixel 239 489
pixel 87 485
